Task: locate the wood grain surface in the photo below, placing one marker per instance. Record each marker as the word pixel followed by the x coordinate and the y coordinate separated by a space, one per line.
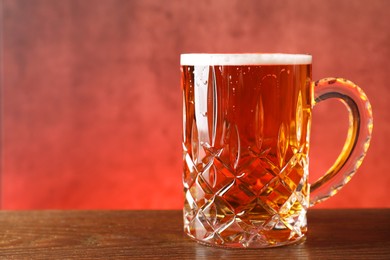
pixel 333 234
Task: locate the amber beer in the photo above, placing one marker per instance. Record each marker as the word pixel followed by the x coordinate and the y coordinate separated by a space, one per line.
pixel 245 142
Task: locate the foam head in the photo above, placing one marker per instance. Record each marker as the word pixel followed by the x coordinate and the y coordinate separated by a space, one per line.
pixel 204 59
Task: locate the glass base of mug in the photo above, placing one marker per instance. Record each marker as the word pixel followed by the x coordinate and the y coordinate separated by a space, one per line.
pixel 250 243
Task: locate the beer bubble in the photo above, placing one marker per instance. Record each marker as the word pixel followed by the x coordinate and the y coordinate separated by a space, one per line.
pixel 285 70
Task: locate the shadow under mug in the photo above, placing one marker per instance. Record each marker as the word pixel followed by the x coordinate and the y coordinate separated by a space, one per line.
pixel 246 131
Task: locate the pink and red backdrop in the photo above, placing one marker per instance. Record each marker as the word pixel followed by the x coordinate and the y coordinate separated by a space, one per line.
pixel 91 99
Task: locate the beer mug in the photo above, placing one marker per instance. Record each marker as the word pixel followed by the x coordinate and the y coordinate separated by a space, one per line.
pixel 246 131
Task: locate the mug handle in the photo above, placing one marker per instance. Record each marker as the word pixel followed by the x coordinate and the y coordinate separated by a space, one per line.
pixel 358 137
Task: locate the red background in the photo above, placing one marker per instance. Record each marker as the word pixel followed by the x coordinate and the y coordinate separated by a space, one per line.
pixel 91 100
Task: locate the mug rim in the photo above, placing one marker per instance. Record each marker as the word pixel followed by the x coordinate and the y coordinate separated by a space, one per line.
pixel 205 59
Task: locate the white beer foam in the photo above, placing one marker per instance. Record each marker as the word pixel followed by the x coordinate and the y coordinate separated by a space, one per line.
pixel 204 59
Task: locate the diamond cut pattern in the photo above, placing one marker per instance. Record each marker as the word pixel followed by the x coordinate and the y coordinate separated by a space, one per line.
pixel 248 209
pixel 219 176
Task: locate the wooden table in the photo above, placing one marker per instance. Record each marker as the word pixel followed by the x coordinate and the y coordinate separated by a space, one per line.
pixel 333 234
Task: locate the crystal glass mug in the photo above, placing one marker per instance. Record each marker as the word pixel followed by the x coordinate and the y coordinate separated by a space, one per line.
pixel 246 130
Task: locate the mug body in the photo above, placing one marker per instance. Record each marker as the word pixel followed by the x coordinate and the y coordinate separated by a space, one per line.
pixel 246 129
